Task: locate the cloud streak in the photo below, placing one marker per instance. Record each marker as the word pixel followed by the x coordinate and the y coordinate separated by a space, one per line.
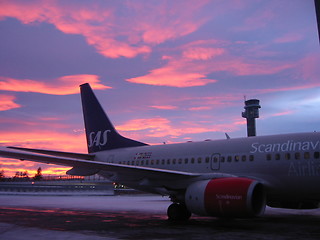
pixel 116 30
pixel 162 127
pixel 7 102
pixel 61 86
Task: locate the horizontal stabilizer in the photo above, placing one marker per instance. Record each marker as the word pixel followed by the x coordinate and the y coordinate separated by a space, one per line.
pixel 79 171
pixel 57 153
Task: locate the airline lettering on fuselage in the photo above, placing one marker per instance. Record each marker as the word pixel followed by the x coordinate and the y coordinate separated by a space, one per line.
pixel 285 146
pixel 98 138
pixel 304 169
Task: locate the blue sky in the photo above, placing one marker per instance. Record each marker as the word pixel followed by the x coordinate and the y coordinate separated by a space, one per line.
pixel 165 71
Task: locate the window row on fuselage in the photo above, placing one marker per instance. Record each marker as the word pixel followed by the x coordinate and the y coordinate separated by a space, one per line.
pixel 193 160
pixel 166 161
pixel 222 159
pixel 292 156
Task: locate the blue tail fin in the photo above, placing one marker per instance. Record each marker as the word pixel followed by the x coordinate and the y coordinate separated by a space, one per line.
pixel 101 134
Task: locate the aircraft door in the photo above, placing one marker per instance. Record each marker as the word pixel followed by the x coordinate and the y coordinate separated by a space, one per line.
pixel 215 161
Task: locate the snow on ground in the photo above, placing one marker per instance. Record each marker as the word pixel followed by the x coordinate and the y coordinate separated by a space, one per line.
pixel 145 203
pixel 14 232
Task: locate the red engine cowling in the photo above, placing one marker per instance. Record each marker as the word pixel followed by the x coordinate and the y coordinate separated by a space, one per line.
pixel 226 197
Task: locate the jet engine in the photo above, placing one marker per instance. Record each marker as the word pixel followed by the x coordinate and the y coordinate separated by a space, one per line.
pixel 226 197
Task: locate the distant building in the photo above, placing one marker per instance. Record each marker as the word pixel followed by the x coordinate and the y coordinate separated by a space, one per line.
pixel 251 113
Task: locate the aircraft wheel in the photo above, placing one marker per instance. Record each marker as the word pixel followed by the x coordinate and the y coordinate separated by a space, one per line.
pixel 178 212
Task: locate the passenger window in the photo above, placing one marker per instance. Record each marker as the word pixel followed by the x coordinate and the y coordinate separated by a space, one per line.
pixel 186 160
pixel 142 162
pixel 163 161
pixel 287 156
pixel 316 155
pixel 207 159
pixel 236 158
pixel 244 158
pixel 147 162
pixel 168 161
pixel 277 156
pixel 251 158
pixel 137 162
pixel 174 161
pixel 222 159
pixel 306 155
pixel 229 159
pixel 268 157
pixel 151 162
pixel 180 160
pixel 192 160
pixel 297 155
pixel 199 160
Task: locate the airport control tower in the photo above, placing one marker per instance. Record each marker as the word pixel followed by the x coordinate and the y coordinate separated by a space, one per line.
pixel 251 113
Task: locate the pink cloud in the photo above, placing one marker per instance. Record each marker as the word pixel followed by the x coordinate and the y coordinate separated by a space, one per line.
pixel 308 68
pixel 162 127
pixel 286 89
pixel 289 37
pixel 173 75
pixel 7 102
pixel 164 107
pixel 61 86
pixel 115 29
pixel 143 124
pixel 192 63
pixel 200 108
pixel 201 53
pixel 282 113
pixel 264 15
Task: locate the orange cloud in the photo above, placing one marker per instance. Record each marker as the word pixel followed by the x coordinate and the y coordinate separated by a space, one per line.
pixel 7 102
pixel 68 142
pixel 11 166
pixel 61 86
pixel 44 139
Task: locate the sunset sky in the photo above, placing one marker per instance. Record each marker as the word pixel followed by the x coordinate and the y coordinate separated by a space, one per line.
pixel 165 71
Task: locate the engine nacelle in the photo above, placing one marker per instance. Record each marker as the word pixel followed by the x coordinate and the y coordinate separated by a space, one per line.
pixel 226 197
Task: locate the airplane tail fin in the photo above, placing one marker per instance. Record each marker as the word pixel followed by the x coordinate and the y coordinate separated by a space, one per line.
pixel 100 132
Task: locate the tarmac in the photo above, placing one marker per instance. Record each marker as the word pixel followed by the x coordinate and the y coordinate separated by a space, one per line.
pixel 138 217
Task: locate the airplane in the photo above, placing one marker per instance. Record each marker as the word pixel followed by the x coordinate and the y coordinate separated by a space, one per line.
pixel 233 177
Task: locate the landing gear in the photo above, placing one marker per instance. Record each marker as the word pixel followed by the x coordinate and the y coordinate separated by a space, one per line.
pixel 178 212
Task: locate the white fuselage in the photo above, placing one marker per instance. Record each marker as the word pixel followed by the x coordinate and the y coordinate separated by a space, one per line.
pixel 286 164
